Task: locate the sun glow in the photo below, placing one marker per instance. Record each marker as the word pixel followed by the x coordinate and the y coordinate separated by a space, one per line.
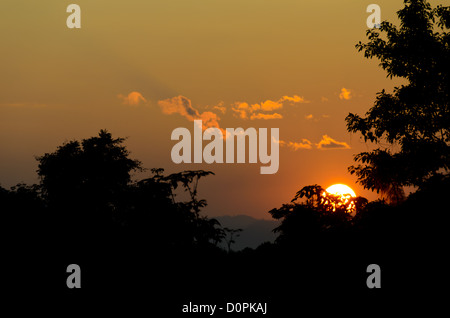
pixel 343 193
pixel 341 189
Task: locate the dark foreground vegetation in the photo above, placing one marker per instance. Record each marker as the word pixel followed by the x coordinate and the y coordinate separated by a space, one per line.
pixel 135 238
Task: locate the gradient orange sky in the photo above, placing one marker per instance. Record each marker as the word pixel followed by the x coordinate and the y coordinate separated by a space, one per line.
pixel 239 61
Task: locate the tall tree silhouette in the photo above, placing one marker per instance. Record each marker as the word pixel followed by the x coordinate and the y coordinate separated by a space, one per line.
pixel 415 116
pixel 205 230
pixel 83 182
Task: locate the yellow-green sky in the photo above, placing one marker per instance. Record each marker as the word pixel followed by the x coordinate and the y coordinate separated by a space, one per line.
pixel 59 84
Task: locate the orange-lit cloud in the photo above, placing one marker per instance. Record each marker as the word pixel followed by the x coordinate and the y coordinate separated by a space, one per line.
pixel 326 143
pixel 310 116
pixel 294 99
pixel 182 105
pixel 266 116
pixel 304 144
pixel 132 99
pixel 241 110
pixel 244 110
pixel 179 105
pixel 220 108
pixel 209 119
pixel 247 107
pixel 270 105
pixel 345 94
pixel 329 143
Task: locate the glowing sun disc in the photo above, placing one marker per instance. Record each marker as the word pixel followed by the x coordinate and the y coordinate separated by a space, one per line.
pixel 340 189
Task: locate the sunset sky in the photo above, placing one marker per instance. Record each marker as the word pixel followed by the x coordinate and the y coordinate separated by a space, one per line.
pixel 140 69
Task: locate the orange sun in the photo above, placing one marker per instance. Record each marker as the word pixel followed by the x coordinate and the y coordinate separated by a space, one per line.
pixel 344 194
pixel 341 190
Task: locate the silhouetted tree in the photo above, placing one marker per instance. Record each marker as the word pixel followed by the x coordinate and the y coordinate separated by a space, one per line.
pixel 83 182
pixel 416 116
pixel 205 230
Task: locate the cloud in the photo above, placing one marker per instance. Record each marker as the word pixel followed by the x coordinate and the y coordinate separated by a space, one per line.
pixel 323 99
pixel 132 99
pixel 179 105
pixel 345 94
pixel 270 105
pixel 240 110
pixel 182 105
pixel 220 108
pixel 329 143
pixel 316 118
pixel 326 143
pixel 304 144
pixel 247 106
pixel 266 116
pixel 245 110
pixel 209 119
pixel 294 99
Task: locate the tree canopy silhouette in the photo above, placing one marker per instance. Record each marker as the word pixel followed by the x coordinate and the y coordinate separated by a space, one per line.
pixel 87 188
pixel 97 167
pixel 415 117
pixel 82 182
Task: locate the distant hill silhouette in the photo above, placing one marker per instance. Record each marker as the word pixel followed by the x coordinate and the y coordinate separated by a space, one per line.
pixel 255 231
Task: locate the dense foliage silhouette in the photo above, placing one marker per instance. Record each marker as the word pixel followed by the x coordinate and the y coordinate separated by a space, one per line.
pixel 135 225
pixel 410 126
pixel 136 231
